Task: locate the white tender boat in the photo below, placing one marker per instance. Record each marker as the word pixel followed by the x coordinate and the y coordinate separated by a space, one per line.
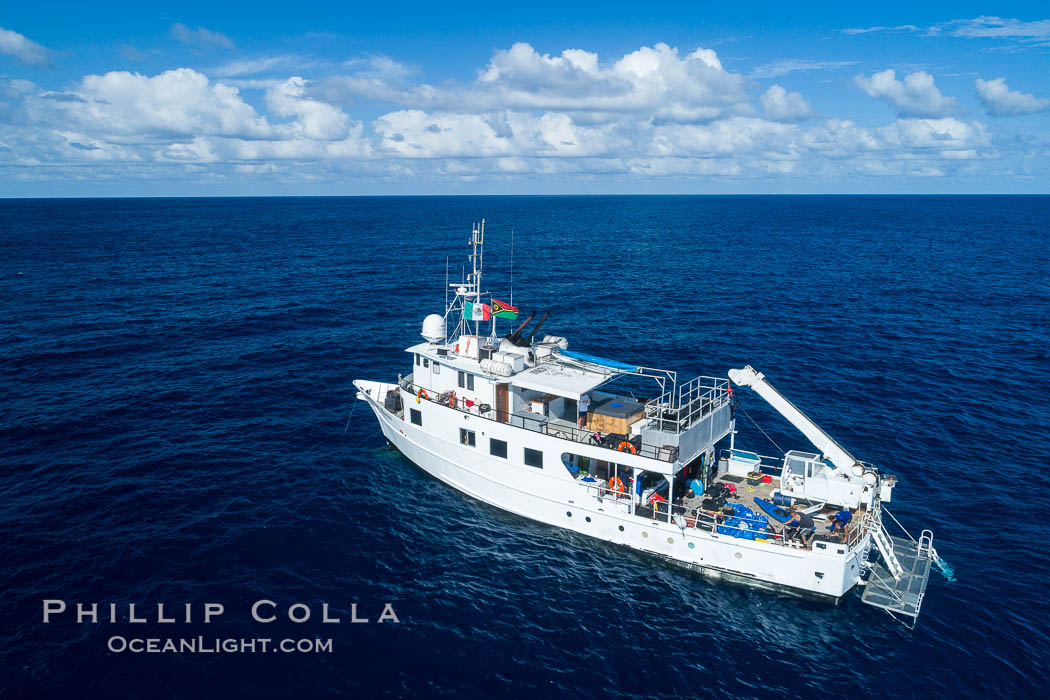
pixel 499 418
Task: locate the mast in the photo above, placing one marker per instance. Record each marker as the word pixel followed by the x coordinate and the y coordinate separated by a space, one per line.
pixel 469 288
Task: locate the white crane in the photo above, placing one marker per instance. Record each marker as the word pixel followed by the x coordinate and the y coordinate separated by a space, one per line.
pixel 833 451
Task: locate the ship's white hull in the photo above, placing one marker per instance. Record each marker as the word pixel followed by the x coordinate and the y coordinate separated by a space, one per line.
pixel 551 496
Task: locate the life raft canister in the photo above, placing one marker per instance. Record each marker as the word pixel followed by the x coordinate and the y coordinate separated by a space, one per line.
pixel 625 446
pixel 616 486
pixel 422 394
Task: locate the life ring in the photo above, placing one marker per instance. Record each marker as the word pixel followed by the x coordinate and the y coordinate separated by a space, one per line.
pixel 422 395
pixel 616 486
pixel 624 446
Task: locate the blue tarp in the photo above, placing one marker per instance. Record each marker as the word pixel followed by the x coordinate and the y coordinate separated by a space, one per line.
pixel 599 360
pixel 745 524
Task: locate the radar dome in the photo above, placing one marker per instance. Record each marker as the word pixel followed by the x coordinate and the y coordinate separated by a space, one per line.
pixel 434 328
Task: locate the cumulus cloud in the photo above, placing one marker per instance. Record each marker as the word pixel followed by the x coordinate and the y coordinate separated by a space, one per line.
pixel 175 103
pixel 25 50
pixel 1000 101
pixel 915 96
pixel 651 113
pixel 783 106
pixel 656 80
pixel 315 120
pixel 200 36
pixel 179 115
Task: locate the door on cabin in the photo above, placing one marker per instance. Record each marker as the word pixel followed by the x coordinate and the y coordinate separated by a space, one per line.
pixel 502 391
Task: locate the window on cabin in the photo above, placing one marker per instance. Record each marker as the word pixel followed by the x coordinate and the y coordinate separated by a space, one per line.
pixel 426 362
pixel 470 382
pixel 533 458
pixel 437 368
pixel 498 448
pixel 419 361
pixel 466 437
pixel 417 417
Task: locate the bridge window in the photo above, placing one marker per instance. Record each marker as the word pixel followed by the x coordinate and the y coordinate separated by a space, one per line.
pixel 417 417
pixel 466 437
pixel 466 381
pixel 498 448
pixel 533 458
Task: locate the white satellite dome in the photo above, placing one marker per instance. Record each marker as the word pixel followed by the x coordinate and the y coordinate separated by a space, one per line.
pixel 434 328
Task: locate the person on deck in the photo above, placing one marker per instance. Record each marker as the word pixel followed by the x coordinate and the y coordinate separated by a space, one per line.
pixel 800 525
pixel 696 487
pixel 840 525
pixel 584 404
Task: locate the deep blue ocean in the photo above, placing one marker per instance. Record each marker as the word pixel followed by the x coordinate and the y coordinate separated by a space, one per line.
pixel 176 380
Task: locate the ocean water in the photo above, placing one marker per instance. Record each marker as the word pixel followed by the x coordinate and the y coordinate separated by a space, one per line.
pixel 177 381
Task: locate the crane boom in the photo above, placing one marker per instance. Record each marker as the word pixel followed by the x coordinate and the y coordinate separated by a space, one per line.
pixel 821 440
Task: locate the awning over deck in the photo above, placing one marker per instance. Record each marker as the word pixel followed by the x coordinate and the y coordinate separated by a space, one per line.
pixel 560 380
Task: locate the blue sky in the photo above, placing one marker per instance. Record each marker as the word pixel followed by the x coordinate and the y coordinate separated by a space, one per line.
pixel 425 98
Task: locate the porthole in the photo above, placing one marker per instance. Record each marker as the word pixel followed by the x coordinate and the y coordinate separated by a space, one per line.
pixel 738 555
pixel 691 545
pixel 588 518
pixel 568 513
pixel 645 534
pixel 621 528
pixel 670 540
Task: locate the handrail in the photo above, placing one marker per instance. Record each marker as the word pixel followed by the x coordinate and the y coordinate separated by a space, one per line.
pixel 685 405
pixel 564 432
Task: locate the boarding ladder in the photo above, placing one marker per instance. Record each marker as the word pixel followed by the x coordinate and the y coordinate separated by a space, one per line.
pixel 897 583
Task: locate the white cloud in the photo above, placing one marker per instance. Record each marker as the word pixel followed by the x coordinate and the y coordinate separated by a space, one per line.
pixel 174 104
pixel 253 66
pixel 25 50
pixel 915 96
pixel 315 120
pixel 200 36
pixel 650 113
pixel 791 65
pixel 853 31
pixel 998 27
pixel 1000 101
pixel 655 81
pixel 783 106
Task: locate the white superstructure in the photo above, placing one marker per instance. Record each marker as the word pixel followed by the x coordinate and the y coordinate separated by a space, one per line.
pixel 498 418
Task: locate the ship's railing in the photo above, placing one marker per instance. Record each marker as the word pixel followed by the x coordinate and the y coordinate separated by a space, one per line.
pixel 610 441
pixel 682 406
pixel 774 466
pixel 776 533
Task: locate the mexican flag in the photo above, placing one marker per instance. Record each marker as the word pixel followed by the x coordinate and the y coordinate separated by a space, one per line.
pixel 473 311
pixel 502 309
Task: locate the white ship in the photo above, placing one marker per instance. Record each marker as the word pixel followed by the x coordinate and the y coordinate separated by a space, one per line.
pixel 499 418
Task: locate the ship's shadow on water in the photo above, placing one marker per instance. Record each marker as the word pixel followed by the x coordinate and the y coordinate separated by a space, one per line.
pixel 177 380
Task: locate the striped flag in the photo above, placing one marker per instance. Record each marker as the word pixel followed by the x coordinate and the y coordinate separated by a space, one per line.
pixel 501 309
pixel 473 311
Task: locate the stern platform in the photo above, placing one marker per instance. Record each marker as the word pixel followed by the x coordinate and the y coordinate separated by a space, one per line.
pixel 901 594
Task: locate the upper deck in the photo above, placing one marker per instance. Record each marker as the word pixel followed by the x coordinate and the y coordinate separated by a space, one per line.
pixel 542 387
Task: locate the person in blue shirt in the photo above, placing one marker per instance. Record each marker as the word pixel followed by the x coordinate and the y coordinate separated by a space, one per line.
pixel 584 404
pixel 696 487
pixel 840 525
